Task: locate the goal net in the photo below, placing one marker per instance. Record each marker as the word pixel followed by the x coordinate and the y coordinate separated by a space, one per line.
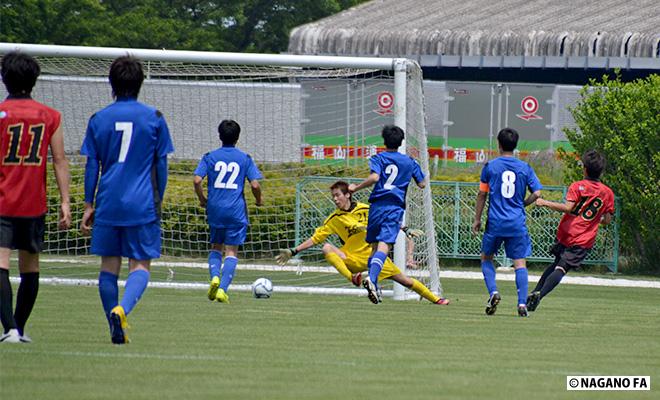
pixel 307 121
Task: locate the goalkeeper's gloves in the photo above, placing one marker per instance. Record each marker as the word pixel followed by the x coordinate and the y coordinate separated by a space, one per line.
pixel 412 233
pixel 285 255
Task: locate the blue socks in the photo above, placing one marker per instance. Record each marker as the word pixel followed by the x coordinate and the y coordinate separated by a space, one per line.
pixel 215 260
pixel 109 291
pixel 376 265
pixel 228 272
pixel 136 284
pixel 488 270
pixel 522 285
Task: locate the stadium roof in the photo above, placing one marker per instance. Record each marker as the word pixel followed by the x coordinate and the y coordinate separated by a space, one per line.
pixel 523 28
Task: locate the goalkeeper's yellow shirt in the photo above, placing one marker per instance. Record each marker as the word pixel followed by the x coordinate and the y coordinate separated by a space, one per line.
pixel 350 226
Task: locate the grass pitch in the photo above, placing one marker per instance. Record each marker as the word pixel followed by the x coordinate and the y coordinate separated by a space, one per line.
pixel 328 347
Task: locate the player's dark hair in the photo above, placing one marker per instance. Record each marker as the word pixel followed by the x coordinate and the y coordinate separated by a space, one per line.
pixel 19 73
pixel 229 131
pixel 508 139
pixel 392 136
pixel 594 163
pixel 126 76
pixel 341 185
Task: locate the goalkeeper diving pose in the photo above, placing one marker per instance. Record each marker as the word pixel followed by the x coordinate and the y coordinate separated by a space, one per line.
pixel 349 223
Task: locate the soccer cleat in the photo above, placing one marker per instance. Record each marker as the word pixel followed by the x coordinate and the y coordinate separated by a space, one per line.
pixel 491 305
pixel 442 301
pixel 11 337
pixel 522 311
pixel 356 279
pixel 222 296
pixel 213 288
pixel 533 301
pixel 118 325
pixel 25 338
pixel 372 292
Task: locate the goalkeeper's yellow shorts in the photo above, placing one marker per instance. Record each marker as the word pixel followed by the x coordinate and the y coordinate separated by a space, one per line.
pixel 358 263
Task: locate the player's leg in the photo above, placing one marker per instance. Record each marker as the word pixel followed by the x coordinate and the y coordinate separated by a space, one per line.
pixel 534 297
pixel 234 238
pixel 10 332
pixel 336 258
pixel 140 244
pixel 518 249
pixel 489 246
pixel 106 242
pixel 30 239
pixel 391 271
pixel 571 258
pixel 108 286
pixel 26 296
pixel 215 261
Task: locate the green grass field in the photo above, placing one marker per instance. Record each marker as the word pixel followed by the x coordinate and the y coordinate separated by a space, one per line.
pixel 329 347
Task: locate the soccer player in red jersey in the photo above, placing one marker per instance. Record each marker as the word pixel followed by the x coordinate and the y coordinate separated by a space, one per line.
pixel 588 203
pixel 27 129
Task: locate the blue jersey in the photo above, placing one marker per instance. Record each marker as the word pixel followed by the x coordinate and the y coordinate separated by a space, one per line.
pixel 227 168
pixel 507 180
pixel 127 138
pixel 395 171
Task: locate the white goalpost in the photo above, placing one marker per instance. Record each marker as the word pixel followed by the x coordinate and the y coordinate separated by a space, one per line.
pixel 306 120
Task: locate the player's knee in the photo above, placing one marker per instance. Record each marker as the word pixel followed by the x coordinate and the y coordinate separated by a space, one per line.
pixel 327 249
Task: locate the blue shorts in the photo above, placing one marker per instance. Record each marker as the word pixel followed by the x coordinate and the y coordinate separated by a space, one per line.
pixel 234 236
pixel 515 247
pixel 384 223
pixel 141 242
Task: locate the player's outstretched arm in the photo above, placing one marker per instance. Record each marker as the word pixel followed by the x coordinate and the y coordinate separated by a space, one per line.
pixel 532 197
pixel 61 168
pixel 566 207
pixel 286 254
pixel 370 181
pixel 256 192
pixel 199 190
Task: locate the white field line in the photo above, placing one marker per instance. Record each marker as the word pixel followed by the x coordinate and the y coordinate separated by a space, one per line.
pixel 501 276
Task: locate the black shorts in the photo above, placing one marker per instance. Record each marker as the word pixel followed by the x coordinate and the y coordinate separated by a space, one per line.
pixel 568 257
pixel 23 233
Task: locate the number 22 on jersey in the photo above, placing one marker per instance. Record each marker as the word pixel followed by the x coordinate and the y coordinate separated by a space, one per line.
pixel 222 168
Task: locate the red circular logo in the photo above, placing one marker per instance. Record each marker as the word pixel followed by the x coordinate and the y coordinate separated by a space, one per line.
pixel 385 100
pixel 529 105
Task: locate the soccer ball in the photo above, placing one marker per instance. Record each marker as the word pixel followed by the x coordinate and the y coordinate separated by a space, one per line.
pixel 262 288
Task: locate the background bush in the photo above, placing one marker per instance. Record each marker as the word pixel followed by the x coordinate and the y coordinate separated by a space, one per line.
pixel 622 120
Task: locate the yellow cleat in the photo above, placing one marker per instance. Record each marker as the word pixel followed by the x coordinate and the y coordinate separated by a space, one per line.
pixel 213 288
pixel 118 325
pixel 221 296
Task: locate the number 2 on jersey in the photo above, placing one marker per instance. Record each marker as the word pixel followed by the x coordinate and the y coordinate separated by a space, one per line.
pixel 392 171
pixel 222 168
pixel 508 188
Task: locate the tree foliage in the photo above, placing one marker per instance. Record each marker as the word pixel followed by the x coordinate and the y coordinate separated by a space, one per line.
pixel 222 25
pixel 622 120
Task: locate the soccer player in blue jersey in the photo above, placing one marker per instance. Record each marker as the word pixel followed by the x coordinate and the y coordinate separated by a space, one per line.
pixel 130 141
pixel 391 172
pixel 505 180
pixel 227 169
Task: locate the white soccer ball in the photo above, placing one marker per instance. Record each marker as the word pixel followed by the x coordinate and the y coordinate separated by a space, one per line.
pixel 262 288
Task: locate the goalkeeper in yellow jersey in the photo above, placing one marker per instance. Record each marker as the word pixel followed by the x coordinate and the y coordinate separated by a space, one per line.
pixel 349 222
